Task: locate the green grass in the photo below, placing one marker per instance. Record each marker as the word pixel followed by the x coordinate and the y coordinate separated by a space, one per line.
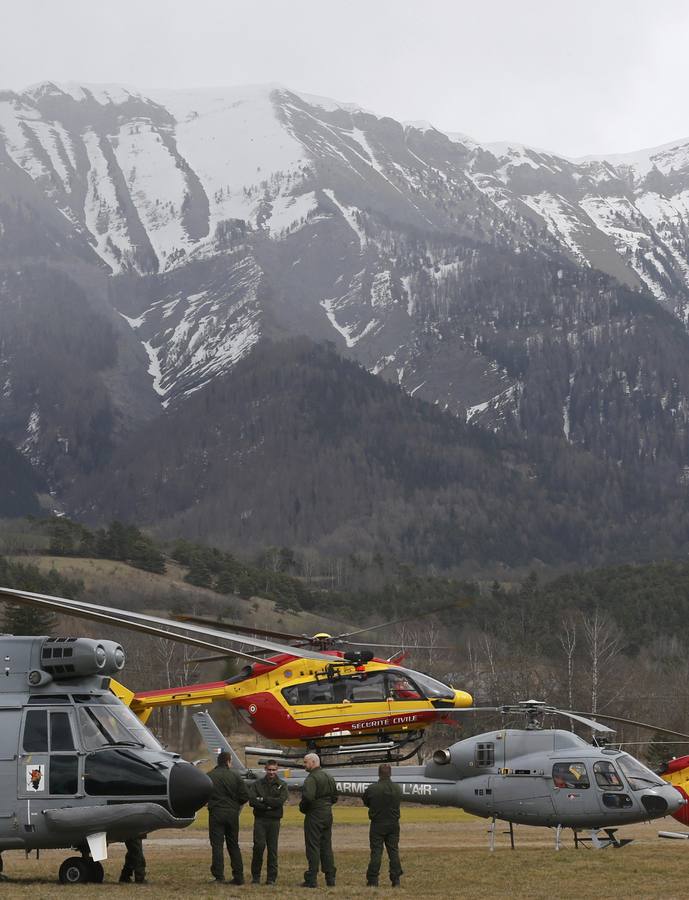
pixel 441 858
pixel 352 814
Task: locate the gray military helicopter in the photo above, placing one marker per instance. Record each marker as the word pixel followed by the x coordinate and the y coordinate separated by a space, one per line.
pixel 531 776
pixel 77 768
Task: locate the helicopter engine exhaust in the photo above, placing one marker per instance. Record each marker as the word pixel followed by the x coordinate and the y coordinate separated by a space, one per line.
pixel 442 757
pixel 80 657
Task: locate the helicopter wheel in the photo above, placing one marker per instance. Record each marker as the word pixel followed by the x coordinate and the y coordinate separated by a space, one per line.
pixel 75 870
pixel 96 871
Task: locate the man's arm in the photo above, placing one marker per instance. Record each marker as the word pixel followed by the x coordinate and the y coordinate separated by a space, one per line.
pixel 242 791
pixel 255 798
pixel 282 797
pixel 308 791
pixel 333 790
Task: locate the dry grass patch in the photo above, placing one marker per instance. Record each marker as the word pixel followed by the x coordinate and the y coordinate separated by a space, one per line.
pixel 440 858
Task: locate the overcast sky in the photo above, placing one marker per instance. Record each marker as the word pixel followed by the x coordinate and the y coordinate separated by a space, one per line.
pixel 591 76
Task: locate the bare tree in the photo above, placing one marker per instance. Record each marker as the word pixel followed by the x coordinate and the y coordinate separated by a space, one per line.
pixel 604 644
pixel 568 642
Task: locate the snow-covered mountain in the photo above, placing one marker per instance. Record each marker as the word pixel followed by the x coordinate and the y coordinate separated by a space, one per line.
pixel 466 273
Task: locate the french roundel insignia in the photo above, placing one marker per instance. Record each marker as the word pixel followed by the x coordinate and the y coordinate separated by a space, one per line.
pixel 253 709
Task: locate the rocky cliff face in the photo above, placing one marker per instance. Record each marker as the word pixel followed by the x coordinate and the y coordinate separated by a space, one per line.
pixel 514 288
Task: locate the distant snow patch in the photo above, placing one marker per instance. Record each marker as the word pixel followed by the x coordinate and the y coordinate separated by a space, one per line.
pixel 349 212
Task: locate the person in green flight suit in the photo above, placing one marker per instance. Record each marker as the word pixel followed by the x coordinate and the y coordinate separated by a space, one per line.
pixel 228 796
pixel 134 862
pixel 318 794
pixel 267 797
pixel 383 801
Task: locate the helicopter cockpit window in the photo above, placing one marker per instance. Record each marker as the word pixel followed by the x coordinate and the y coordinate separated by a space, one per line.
pixel 638 775
pixel 103 726
pixel 606 776
pixel 36 731
pixel 400 687
pixel 570 775
pixel 120 773
pixel 432 689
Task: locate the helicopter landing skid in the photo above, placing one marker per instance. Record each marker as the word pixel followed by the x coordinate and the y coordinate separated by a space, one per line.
pixel 600 839
pixel 347 754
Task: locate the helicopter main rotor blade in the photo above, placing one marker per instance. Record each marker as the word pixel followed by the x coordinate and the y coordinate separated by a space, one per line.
pixel 135 621
pixel 400 646
pixel 240 629
pixel 590 723
pixel 418 615
pixel 650 727
pixel 130 626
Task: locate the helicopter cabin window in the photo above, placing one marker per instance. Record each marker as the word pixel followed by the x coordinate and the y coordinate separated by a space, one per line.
pixel 369 687
pixel 484 755
pixel 570 775
pixel 36 731
pixel 310 693
pixel 617 801
pixel 60 732
pixel 606 776
pixel 62 773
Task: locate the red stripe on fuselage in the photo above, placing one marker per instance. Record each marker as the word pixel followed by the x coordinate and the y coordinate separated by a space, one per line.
pixel 675 765
pixel 273 721
pixel 682 814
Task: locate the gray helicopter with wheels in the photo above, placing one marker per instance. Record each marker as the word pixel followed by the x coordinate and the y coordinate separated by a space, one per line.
pixel 77 768
pixel 531 776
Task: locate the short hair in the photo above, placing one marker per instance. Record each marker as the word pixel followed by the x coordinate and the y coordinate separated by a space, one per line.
pixel 271 762
pixel 224 758
pixel 384 770
pixel 314 757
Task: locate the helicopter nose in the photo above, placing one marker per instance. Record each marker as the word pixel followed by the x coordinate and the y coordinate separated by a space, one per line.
pixel 189 789
pixel 462 700
pixel 662 802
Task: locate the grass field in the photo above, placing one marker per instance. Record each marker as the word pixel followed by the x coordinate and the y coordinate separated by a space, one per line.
pixel 444 855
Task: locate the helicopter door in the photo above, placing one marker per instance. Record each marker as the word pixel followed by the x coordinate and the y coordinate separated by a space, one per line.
pixel 48 761
pixel 571 790
pixel 10 720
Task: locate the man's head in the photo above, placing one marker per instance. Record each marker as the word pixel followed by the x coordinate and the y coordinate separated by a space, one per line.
pixel 384 770
pixel 271 770
pixel 311 761
pixel 224 760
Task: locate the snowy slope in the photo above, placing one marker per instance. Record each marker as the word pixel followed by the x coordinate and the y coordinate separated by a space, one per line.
pixel 257 208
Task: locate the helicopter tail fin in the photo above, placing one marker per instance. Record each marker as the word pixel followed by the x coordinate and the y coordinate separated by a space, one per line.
pixel 215 739
pixel 676 772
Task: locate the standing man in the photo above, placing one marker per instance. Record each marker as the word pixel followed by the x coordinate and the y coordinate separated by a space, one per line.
pixel 317 797
pixel 228 796
pixel 134 862
pixel 383 801
pixel 267 796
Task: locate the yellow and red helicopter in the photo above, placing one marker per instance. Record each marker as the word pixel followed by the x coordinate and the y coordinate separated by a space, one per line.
pixel 305 692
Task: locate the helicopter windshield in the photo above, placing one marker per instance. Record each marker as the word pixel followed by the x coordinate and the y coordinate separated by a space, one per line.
pixel 434 690
pixel 103 726
pixel 638 775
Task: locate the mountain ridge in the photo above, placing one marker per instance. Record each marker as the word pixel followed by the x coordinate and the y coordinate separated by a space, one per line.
pixel 150 243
